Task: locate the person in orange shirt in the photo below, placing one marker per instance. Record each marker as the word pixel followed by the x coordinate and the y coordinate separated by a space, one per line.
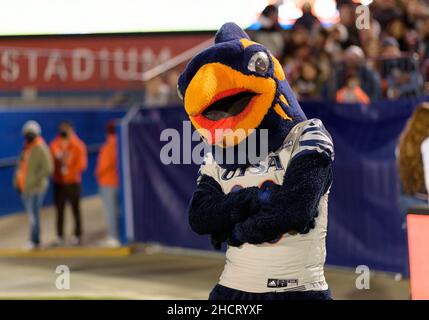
pixel 70 161
pixel 352 92
pixel 107 176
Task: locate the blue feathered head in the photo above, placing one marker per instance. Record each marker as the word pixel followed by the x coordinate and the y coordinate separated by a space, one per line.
pixel 237 84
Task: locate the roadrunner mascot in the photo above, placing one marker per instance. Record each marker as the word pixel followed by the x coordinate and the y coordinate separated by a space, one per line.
pixel 272 214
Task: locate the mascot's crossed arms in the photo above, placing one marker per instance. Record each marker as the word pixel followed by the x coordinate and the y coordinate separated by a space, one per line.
pixel 273 215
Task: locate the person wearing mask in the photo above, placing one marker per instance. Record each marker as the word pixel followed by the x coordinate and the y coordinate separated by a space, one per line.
pixel 106 173
pixel 70 161
pixel 32 177
pixel 411 160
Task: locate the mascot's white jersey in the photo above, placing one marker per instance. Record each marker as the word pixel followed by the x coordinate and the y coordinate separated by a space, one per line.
pixel 295 261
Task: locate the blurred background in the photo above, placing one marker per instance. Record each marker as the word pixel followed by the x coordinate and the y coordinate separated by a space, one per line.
pixel 360 66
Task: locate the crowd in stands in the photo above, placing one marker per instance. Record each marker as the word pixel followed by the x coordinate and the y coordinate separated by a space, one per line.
pixel 387 59
pixel 344 62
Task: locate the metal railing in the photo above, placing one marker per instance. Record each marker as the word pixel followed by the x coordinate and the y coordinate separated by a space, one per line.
pixel 382 78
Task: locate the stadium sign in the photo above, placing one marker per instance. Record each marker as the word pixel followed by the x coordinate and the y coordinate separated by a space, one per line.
pixel 86 62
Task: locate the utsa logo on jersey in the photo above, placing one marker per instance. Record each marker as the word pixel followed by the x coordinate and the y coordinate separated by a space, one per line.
pixel 307 137
pixel 261 168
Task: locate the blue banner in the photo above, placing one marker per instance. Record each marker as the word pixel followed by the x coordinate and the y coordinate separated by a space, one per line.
pixel 365 224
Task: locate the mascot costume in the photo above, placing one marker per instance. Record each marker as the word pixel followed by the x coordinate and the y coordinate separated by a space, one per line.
pixel 273 214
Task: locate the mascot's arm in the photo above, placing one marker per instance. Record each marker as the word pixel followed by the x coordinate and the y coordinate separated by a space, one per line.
pixel 215 213
pixel 292 206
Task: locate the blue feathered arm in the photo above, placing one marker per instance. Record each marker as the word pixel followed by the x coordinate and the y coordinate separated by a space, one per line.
pixel 215 213
pixel 290 207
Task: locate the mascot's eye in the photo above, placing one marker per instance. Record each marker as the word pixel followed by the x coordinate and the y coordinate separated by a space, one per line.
pixel 259 63
pixel 179 93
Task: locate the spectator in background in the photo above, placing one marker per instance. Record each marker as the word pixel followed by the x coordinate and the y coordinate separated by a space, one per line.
pixel 172 78
pixel 423 46
pixel 156 93
pixel 291 67
pixel 354 62
pixel 308 85
pixel 390 48
pixel 32 177
pixel 319 56
pixel 417 9
pixel 308 20
pixel 335 41
pixel 410 159
pixel 269 35
pixel 106 173
pixel 372 50
pixel 401 74
pixel 70 161
pixel 400 84
pixel 373 32
pixel 320 38
pixel 299 38
pixel 370 40
pixel 348 20
pixel 352 92
pixel 385 11
pixel 398 30
pixel 269 18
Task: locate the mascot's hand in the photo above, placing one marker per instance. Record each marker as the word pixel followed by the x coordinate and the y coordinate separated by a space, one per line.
pixel 291 207
pixel 215 213
pixel 255 236
pixel 263 227
pixel 249 208
pixel 218 240
pixel 264 196
pixel 258 228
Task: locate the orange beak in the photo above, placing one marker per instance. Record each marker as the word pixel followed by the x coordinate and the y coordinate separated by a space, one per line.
pixel 225 105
